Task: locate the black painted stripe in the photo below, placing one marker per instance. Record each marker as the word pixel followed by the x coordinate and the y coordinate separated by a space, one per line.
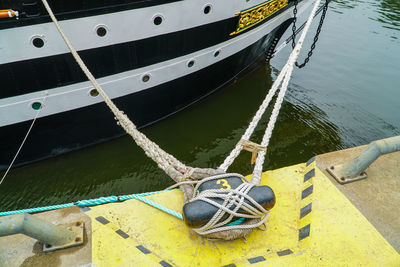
pixel 165 264
pixel 309 175
pixel 304 232
pixel 284 252
pixel 122 233
pixel 310 161
pixel 305 210
pixel 102 220
pixel 230 265
pixel 306 192
pixel 143 249
pixel 256 259
pixel 35 13
pixel 85 209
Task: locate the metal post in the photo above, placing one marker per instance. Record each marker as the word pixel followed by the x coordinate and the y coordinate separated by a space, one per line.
pixel 34 227
pixel 355 169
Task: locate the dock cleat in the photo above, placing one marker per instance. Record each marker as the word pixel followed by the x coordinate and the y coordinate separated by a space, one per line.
pixel 216 193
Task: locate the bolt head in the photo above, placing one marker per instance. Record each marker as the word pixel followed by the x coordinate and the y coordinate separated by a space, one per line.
pixel 78 239
pixel 332 167
pixel 342 178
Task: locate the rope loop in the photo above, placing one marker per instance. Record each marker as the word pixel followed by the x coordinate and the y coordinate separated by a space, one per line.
pixel 236 204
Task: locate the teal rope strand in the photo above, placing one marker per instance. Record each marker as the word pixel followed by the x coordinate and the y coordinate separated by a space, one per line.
pixel 40 209
pixel 100 201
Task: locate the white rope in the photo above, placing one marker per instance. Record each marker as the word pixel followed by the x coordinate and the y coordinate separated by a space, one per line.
pixel 275 112
pixel 24 140
pixel 283 78
pixel 253 124
pixel 234 206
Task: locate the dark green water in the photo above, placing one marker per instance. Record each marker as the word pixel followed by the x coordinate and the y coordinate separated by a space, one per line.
pixel 348 95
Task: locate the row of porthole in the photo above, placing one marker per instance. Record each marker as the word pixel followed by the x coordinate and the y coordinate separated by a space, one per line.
pixel 101 30
pixel 145 78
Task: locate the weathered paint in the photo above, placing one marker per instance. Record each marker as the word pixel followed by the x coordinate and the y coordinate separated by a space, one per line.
pixel 311 224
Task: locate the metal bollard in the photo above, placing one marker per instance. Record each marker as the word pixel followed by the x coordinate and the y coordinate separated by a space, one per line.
pixel 34 227
pixel 355 169
pixel 370 154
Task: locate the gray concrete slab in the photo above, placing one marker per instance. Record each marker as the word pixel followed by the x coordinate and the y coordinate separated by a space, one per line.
pixel 378 196
pixel 21 250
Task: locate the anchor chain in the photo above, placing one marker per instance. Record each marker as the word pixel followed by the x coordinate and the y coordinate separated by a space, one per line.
pixel 271 50
pixel 321 22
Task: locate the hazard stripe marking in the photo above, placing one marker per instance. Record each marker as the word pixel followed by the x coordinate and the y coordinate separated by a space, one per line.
pixel 304 232
pixel 102 220
pixel 305 210
pixel 122 233
pixel 306 192
pixel 256 259
pixel 165 264
pixel 85 209
pixel 309 175
pixel 143 249
pixel 284 252
pixel 310 161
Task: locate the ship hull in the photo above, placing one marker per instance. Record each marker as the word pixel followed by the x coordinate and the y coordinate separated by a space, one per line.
pixel 67 123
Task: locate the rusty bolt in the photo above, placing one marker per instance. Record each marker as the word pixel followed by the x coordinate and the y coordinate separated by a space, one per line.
pixel 342 178
pixel 332 168
pixel 78 223
pixel 78 239
pixel 48 246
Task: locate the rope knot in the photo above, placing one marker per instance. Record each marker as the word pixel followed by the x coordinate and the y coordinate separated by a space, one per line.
pixel 252 147
pixel 225 203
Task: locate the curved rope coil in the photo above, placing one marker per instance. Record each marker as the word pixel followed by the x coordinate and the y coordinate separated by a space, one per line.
pixel 236 204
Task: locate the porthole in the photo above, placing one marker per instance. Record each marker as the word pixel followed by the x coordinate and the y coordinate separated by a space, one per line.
pixel 157 20
pixel 207 9
pixel 101 31
pixel 94 92
pixel 38 42
pixel 146 78
pixel 190 63
pixel 216 53
pixel 36 105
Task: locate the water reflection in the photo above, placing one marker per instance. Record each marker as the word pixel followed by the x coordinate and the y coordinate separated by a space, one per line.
pixel 386 12
pixel 201 136
pixel 340 4
pixel 389 13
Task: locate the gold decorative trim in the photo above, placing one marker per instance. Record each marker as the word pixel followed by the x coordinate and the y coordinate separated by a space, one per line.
pixel 257 14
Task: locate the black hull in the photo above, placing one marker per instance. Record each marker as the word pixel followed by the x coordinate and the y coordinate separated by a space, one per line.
pixel 72 130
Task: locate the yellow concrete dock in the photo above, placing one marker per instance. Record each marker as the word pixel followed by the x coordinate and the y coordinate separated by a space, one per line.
pixel 314 223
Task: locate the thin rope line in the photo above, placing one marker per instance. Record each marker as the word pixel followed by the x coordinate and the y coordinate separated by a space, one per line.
pixel 23 141
pixel 280 84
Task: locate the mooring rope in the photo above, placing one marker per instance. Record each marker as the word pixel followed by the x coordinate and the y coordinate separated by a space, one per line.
pixel 25 137
pixel 180 172
pixel 100 201
pixel 283 81
pixel 233 201
pixel 169 164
